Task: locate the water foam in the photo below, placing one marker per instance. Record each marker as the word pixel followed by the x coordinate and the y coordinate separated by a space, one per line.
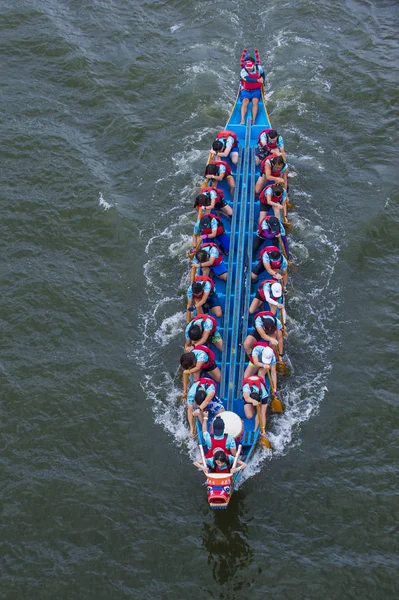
pixel 102 202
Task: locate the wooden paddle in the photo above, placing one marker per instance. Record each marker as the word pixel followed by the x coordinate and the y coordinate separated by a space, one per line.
pixel 263 439
pixel 286 223
pixel 282 247
pixel 276 404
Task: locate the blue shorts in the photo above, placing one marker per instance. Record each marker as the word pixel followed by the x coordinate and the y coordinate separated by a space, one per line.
pixel 215 406
pixel 219 269
pixel 235 149
pixel 212 300
pixel 250 94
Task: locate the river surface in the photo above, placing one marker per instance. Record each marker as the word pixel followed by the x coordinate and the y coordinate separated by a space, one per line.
pixel 107 112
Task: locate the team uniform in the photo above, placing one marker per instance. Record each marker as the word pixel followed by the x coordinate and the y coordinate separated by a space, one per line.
pixel 218 267
pixel 207 323
pixel 208 286
pixel 215 405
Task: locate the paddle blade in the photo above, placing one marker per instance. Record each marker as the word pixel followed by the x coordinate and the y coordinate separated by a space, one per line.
pixel 282 368
pixel 287 225
pixel 277 405
pixel 265 442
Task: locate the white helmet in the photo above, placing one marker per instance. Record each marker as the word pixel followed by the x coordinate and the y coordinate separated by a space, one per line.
pixel 267 355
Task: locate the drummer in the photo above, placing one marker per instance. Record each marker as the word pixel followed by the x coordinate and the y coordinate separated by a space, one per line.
pixel 219 440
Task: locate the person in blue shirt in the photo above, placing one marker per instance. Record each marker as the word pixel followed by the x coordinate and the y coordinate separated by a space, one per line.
pixel 198 360
pixel 210 257
pixel 201 296
pixel 273 201
pixel 254 392
pixel 225 146
pixel 270 292
pixel 273 170
pixel 202 400
pixel 267 329
pixel 212 199
pixel 274 263
pixel 211 227
pixel 270 142
pixel 263 359
pixel 252 78
pixel 270 231
pixel 203 331
pixel 218 171
pixel 212 441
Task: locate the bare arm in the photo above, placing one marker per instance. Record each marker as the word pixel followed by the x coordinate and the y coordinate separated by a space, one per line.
pixel 271 301
pixel 195 369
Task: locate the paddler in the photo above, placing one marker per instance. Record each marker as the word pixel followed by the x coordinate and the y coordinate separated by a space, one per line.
pixel 201 296
pixel 202 397
pixel 273 169
pixel 220 170
pixel 218 440
pixel 210 227
pixel 200 358
pixel 254 392
pixel 269 293
pixel 272 260
pixel 212 198
pixel 252 80
pixel 225 145
pixel 273 201
pixel 270 232
pixel 209 257
pixel 203 330
pixel 263 359
pixel 269 142
pixel 268 328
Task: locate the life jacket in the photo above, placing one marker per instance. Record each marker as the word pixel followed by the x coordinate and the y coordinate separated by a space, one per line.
pixel 274 173
pixel 275 264
pixel 210 354
pixel 203 279
pixel 261 233
pixel 254 380
pixel 217 445
pixel 267 313
pixel 206 381
pixel 220 228
pixel 224 163
pixel 207 190
pixel 261 292
pixel 219 259
pixel 262 195
pixel 223 135
pixel 265 345
pixel 268 144
pixel 217 470
pixel 204 317
pixel 252 85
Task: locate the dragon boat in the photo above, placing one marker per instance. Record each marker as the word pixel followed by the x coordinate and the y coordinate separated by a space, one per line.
pixel 236 295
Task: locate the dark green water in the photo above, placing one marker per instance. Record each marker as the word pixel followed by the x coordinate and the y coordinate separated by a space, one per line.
pixel 108 110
